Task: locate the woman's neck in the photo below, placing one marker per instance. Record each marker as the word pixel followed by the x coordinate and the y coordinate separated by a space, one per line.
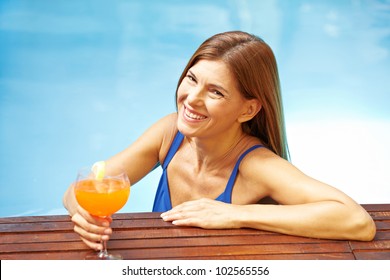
pixel 217 152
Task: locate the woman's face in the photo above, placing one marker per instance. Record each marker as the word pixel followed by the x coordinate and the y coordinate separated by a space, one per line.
pixel 208 101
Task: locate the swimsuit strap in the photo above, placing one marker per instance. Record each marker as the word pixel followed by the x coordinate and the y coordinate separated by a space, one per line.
pixel 162 199
pixel 173 149
pixel 226 196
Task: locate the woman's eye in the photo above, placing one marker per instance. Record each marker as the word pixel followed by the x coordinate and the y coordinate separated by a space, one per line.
pixel 218 93
pixel 191 78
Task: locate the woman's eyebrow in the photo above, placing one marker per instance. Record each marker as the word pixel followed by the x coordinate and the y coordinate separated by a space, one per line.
pixel 191 73
pixel 221 88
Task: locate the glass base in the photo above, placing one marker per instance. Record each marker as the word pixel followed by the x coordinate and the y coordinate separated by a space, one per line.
pixel 103 255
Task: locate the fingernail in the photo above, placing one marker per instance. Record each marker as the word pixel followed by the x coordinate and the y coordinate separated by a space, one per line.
pixel 105 224
pixel 166 217
pixel 107 231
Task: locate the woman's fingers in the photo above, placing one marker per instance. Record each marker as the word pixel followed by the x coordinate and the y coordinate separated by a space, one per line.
pixel 91 240
pixel 96 227
pixel 204 213
pixel 91 229
pixel 93 245
pixel 201 213
pixel 101 221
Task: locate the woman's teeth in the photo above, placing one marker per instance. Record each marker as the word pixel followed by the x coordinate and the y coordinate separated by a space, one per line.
pixel 194 116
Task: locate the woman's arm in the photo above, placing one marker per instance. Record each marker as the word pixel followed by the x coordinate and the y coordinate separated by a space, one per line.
pixel 143 155
pixel 137 160
pixel 307 207
pixel 327 219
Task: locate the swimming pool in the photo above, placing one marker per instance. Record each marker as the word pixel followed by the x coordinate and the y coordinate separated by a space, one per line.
pixel 81 80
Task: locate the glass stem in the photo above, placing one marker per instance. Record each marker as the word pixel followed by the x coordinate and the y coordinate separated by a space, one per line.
pixel 103 252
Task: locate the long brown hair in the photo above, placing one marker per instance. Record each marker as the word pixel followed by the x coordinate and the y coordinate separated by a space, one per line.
pixel 253 63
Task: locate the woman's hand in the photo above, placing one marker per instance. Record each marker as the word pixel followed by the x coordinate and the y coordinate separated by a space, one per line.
pixel 204 213
pixel 92 229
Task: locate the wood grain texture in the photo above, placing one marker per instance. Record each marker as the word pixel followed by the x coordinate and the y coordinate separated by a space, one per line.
pixel 147 236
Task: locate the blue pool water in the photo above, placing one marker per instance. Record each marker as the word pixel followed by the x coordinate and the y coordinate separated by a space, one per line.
pixel 81 80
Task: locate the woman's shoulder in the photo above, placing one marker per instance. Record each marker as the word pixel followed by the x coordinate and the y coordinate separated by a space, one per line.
pixel 261 161
pixel 165 125
pixel 168 126
pixel 254 172
pixel 159 135
pixel 262 167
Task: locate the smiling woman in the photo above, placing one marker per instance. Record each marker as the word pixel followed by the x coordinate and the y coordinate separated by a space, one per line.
pixel 79 81
pixel 224 151
pixel 251 71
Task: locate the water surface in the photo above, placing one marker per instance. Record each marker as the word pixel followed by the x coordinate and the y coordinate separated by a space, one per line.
pixel 81 80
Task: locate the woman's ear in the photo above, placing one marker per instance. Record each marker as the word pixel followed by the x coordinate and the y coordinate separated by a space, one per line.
pixel 251 108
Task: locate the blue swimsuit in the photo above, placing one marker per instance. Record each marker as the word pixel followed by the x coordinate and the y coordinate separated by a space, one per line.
pixel 162 200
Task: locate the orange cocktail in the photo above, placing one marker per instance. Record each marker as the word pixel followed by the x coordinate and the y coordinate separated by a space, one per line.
pixel 102 197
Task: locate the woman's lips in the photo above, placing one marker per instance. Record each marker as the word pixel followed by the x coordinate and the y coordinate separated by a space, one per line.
pixel 192 115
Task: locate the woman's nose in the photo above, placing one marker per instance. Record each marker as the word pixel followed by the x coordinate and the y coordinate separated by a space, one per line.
pixel 195 97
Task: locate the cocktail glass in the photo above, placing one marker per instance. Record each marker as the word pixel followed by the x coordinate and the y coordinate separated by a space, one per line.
pixel 102 196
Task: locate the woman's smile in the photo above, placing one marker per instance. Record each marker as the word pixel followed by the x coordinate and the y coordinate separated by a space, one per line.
pixel 192 115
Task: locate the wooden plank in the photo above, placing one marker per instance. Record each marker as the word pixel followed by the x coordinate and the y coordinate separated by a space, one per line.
pixel 64 218
pixel 70 235
pixel 80 255
pixel 76 250
pixel 141 223
pixel 51 225
pixel 36 237
pixel 382 225
pixel 377 216
pixel 218 242
pixel 177 232
pixel 23 248
pixel 320 256
pixel 378 245
pixel 234 250
pixel 34 219
pixel 380 235
pixel 137 216
pixel 372 255
pixel 59 255
pixel 59 243
pixel 172 233
pixel 36 226
pixel 377 207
